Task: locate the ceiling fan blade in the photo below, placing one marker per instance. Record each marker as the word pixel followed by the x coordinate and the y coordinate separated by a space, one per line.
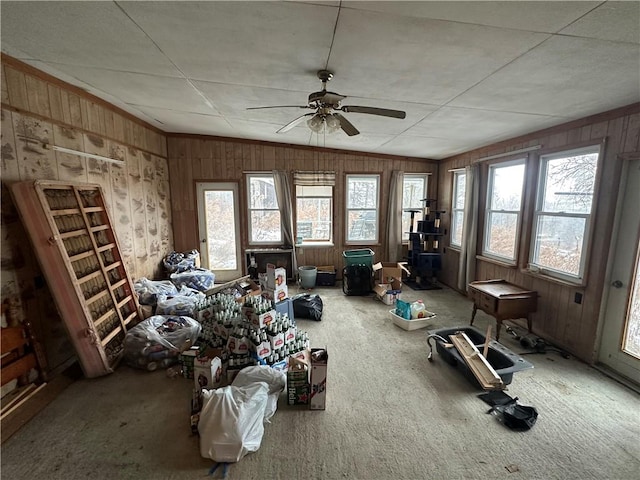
pixel 384 112
pixel 295 122
pixel 279 106
pixel 346 125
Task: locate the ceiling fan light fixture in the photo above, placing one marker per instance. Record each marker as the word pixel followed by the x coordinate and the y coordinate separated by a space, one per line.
pixel 333 123
pixel 316 123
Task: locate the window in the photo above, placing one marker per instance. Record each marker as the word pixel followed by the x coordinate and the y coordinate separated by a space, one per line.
pixel 414 189
pixel 362 208
pixel 562 217
pixel 457 207
pixel 314 213
pixel 264 215
pixel 504 200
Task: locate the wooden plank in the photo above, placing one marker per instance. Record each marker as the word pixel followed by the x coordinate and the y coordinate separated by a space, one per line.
pixel 17 88
pixel 15 396
pixel 38 96
pixel 3 86
pixel 478 364
pixel 12 338
pixel 18 368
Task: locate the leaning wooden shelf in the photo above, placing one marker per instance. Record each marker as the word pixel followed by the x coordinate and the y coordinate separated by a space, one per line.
pixel 78 251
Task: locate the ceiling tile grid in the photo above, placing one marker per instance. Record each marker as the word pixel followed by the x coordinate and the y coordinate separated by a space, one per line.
pixel 466 73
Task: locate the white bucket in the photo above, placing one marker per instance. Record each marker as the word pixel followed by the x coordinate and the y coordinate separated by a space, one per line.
pixel 307 276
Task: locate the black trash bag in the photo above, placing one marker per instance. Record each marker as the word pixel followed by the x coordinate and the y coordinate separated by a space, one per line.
pixel 307 305
pixel 517 417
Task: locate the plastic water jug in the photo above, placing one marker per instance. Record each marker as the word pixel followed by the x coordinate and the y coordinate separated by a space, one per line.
pixel 418 310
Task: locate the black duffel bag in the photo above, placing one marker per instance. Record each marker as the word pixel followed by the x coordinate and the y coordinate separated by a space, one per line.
pixel 307 305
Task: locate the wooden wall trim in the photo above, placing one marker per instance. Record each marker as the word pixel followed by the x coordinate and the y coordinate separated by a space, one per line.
pixel 28 69
pixel 496 148
pixel 248 141
pixel 79 129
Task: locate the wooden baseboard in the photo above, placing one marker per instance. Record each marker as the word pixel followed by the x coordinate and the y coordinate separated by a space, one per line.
pixel 39 398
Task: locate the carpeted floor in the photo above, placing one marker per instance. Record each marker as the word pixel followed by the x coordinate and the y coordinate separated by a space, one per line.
pixel 390 415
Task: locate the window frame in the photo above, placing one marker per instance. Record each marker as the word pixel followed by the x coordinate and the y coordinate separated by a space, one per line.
pixel 425 179
pixel 329 241
pixel 537 213
pixel 488 211
pixel 454 209
pixel 378 178
pixel 249 176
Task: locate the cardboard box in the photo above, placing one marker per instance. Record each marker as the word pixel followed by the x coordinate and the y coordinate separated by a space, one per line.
pixel 276 295
pixel 238 345
pixel 386 293
pixel 277 340
pixel 262 320
pixel 297 382
pixel 187 361
pixel 263 350
pixel 319 362
pixel 390 272
pixel 251 289
pixel 207 372
pixel 276 277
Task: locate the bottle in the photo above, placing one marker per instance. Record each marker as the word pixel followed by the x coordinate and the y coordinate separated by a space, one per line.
pixel 418 310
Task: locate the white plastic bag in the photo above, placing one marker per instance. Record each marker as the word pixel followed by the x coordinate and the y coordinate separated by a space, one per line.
pixel 275 379
pixel 231 421
pixel 149 290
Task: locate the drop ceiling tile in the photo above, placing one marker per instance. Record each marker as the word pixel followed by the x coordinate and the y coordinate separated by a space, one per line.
pixel 617 21
pixel 364 142
pixel 267 132
pixel 233 100
pixel 480 125
pixel 565 76
pixel 427 147
pixel 144 90
pixel 416 59
pixel 270 44
pixel 532 16
pixel 95 34
pixel 172 121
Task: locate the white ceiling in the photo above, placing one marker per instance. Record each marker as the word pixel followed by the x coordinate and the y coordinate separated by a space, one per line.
pixel 468 74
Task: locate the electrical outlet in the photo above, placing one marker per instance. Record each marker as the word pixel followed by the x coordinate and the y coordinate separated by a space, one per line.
pixel 577 298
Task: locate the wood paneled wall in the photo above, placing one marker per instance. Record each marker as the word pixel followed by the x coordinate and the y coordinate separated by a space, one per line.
pixel 559 319
pixel 196 159
pixel 39 110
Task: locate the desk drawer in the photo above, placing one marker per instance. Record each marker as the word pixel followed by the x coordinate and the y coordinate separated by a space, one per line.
pixel 487 303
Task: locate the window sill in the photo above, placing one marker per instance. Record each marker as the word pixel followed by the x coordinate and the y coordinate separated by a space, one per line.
pixel 315 245
pixel 496 261
pixel 455 248
pixel 550 279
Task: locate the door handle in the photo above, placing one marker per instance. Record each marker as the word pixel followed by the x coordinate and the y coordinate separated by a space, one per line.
pixel 617 284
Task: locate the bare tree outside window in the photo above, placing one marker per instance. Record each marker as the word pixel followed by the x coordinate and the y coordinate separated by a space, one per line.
pixel 264 214
pixel 504 201
pixel 563 211
pixel 362 208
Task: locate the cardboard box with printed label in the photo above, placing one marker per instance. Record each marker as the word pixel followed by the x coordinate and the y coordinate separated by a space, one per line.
pixel 276 295
pixel 319 362
pixel 276 277
pixel 207 372
pixel 297 382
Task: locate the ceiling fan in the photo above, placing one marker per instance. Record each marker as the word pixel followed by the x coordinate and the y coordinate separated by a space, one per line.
pixel 327 105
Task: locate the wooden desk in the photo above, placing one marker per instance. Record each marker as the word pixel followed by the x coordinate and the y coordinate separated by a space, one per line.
pixel 502 300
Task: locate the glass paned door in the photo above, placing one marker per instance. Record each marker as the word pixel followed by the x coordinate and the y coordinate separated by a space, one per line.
pixel 620 341
pixel 219 229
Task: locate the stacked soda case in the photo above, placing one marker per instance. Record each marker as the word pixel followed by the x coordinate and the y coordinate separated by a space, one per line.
pixel 249 333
